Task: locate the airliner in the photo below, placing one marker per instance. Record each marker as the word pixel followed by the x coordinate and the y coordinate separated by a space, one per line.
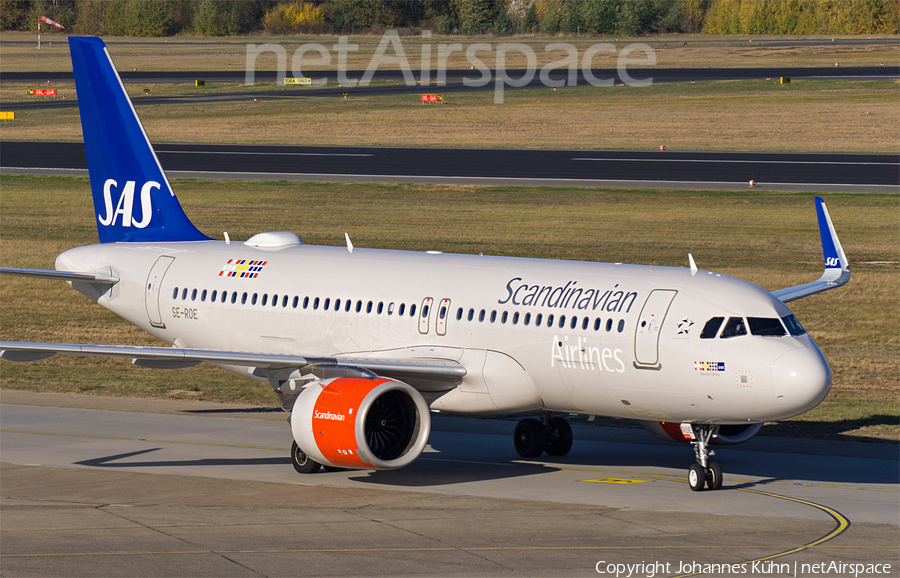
pixel 363 345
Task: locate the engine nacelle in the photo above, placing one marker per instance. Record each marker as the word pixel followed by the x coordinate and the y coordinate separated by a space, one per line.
pixel 360 423
pixel 728 435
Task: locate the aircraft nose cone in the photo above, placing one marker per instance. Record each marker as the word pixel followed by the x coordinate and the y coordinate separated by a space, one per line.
pixel 801 379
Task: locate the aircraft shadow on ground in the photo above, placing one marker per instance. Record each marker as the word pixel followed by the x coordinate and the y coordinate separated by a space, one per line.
pixel 232 411
pixel 833 430
pixel 431 473
pixel 116 461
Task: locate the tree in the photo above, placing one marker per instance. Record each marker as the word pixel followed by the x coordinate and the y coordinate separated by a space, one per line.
pixel 475 16
pixel 214 18
pixel 13 14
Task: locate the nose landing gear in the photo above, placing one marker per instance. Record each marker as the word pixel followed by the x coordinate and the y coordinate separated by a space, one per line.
pixel 704 472
pixel 549 434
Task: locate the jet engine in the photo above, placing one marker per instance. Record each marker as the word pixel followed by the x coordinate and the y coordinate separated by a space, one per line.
pixel 728 435
pixel 361 423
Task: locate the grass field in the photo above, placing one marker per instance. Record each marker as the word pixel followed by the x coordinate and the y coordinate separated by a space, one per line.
pixel 768 238
pixel 701 51
pixel 833 116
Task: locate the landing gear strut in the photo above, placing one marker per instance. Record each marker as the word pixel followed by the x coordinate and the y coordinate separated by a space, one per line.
pixel 549 434
pixel 704 472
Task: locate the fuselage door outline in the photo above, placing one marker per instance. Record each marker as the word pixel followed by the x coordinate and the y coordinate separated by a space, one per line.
pixel 650 321
pixel 153 288
pixel 443 312
pixel 425 315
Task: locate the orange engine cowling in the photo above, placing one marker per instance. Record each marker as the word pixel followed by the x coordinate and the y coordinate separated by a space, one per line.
pixel 361 423
pixel 728 434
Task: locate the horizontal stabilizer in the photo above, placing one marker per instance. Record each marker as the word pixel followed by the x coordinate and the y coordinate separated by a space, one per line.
pixel 837 268
pixel 103 279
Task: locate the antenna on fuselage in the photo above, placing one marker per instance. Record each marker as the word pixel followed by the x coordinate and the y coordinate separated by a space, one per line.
pixel 349 244
pixel 693 265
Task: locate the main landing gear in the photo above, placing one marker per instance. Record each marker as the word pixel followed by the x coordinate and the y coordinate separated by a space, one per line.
pixel 704 472
pixel 549 434
pixel 305 464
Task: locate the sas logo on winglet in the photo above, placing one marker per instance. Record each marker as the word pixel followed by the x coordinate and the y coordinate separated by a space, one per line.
pixel 709 366
pixel 125 204
pixel 832 262
pixel 243 268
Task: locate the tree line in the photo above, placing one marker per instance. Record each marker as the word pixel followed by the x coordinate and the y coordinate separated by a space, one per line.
pixel 500 17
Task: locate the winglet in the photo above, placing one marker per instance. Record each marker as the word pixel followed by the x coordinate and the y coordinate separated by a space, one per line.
pixel 133 200
pixel 831 245
pixel 837 267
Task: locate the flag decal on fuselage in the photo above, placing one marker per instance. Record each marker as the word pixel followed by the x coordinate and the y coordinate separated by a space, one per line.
pixel 242 268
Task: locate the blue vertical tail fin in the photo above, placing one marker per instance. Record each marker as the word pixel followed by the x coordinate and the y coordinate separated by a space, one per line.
pixel 133 199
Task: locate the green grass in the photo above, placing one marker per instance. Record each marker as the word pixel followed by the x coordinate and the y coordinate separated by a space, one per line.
pixel 768 238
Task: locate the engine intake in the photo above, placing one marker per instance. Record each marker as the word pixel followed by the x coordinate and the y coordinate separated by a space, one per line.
pixel 361 423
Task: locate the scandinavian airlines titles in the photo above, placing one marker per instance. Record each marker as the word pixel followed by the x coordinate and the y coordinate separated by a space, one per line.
pixel 568 296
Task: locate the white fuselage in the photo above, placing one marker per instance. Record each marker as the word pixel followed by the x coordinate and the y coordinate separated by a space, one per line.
pixel 590 338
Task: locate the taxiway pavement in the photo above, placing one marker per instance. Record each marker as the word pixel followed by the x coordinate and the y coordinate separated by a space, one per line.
pixel 106 486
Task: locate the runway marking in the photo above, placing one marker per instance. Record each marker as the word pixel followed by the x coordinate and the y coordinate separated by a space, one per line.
pixel 615 481
pixel 268 154
pixel 842 525
pixel 749 161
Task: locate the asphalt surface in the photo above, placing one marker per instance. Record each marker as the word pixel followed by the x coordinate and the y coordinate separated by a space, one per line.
pixel 143 488
pixel 825 171
pixel 455 81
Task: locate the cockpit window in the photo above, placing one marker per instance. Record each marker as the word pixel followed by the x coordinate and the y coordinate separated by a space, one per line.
pixel 711 329
pixel 734 327
pixel 793 326
pixel 766 326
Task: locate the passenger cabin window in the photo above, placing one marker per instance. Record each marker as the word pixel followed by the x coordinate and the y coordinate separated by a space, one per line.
pixel 766 326
pixel 734 327
pixel 711 329
pixel 793 326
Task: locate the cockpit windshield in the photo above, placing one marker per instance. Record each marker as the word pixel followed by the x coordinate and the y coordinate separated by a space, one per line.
pixel 770 326
pixel 734 327
pixel 793 326
pixel 759 326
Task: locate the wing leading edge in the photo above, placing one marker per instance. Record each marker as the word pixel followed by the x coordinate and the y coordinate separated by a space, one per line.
pixel 837 268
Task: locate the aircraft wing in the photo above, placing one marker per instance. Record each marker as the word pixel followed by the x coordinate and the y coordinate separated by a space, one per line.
pixel 837 268
pixel 430 370
pixel 100 277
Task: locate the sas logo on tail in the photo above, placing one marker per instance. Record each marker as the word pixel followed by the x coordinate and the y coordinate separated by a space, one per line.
pixel 125 204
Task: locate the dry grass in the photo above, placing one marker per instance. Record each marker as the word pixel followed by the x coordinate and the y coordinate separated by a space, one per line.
pixel 776 245
pixel 834 116
pixel 196 53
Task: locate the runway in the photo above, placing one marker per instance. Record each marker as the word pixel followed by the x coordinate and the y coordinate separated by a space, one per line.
pixel 527 167
pixel 156 488
pixel 455 82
